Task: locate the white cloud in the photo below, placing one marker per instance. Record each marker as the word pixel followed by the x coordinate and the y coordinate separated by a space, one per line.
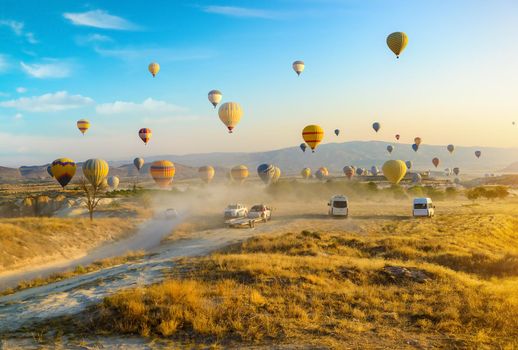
pixel 99 19
pixel 17 28
pixel 18 116
pixel 51 69
pixel 148 108
pixel 21 90
pixel 235 11
pixel 51 102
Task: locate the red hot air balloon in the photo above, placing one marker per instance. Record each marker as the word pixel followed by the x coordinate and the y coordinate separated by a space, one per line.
pixel 397 137
pixel 145 134
pixel 435 162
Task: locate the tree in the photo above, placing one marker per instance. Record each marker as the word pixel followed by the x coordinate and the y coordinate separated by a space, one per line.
pixel 92 192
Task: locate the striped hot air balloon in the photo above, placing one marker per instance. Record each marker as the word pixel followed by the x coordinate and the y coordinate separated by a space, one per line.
pixel 397 42
pixel 206 173
pixel 95 171
pixel 83 125
pixel 313 135
pixel 230 114
pixel 305 173
pixel 145 135
pixel 298 67
pixel 239 173
pixel 63 170
pixel 162 171
pixel 153 68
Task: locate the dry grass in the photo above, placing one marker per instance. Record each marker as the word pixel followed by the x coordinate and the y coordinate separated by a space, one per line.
pixel 333 289
pixel 26 241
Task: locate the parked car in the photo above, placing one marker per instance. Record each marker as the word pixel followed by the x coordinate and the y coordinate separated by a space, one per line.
pixel 338 206
pixel 423 207
pixel 235 211
pixel 260 211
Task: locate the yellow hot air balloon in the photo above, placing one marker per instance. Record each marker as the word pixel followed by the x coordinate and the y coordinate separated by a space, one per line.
pixel 305 173
pixel 162 171
pixel 394 170
pixel 276 175
pixel 83 125
pixel 154 68
pixel 206 173
pixel 397 42
pixel 230 114
pixel 298 67
pixel 239 173
pixel 95 171
pixel 313 135
pixel 63 170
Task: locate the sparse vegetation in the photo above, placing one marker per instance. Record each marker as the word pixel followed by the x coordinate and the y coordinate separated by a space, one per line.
pixel 406 282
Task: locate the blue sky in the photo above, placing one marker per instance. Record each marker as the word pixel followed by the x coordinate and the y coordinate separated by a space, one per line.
pixel 61 61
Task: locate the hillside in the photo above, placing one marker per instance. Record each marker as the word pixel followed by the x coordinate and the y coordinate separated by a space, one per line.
pixel 512 168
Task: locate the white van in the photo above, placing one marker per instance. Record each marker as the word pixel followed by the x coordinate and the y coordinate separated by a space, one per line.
pixel 338 206
pixel 423 207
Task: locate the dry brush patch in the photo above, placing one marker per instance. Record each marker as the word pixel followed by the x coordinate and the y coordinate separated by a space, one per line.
pixel 385 289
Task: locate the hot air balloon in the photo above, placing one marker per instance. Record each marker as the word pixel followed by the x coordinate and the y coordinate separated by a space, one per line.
pixel 456 181
pixel 450 148
pixel 376 126
pixel 359 171
pixel 145 134
pixel 397 137
pixel 298 67
pixel 83 125
pixel 49 170
pixel 63 170
pixel 447 171
pixel 321 173
pixel 417 178
pixel 303 147
pixel 374 170
pixel 337 132
pixel 138 163
pixel 415 147
pixel 113 182
pixel 394 170
pixel 206 173
pixel 266 172
pixel 276 175
pixel 313 135
pixel 349 171
pixel 478 154
pixel 417 141
pixel 390 148
pixel 153 68
pixel 215 97
pixel 230 114
pixel 95 171
pixel 397 42
pixel 239 173
pixel 162 171
pixel 456 171
pixel 305 173
pixel 408 164
pixel 435 161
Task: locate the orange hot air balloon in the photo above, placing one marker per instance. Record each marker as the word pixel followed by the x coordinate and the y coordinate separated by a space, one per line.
pixel 417 141
pixel 145 134
pixel 162 171
pixel 435 162
pixel 313 135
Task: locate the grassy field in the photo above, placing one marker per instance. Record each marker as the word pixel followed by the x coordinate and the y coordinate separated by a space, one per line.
pixel 402 283
pixel 32 241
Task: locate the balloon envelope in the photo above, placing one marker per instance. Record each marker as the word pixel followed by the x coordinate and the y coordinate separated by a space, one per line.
pixel 435 161
pixel 322 173
pixel 298 67
pixel 337 132
pixel 206 173
pixel 113 182
pixel 162 171
pixel 276 175
pixel 397 42
pixel 349 171
pixel 266 172
pixel 95 171
pixel 63 170
pixel 145 135
pixel 417 178
pixel 374 170
pixel 456 171
pixel 394 170
pixel 397 137
pixel 390 148
pixel 230 114
pixel 417 141
pixel 303 147
pixel 376 126
pixel 450 148
pixel 313 135
pixel 138 163
pixel 153 68
pixel 239 173
pixel 215 97
pixel 408 164
pixel 478 153
pixel 305 173
pixel 49 170
pixel 415 147
pixel 83 125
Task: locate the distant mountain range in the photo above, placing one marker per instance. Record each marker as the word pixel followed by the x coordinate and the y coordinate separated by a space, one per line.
pixel 332 155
